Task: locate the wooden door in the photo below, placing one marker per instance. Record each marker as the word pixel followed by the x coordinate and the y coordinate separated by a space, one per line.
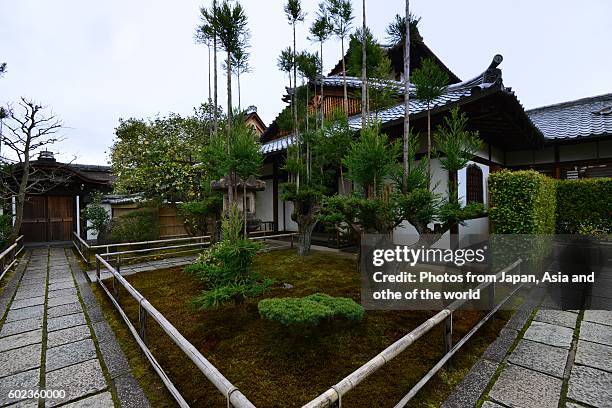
pixel 61 218
pixel 34 224
pixel 48 218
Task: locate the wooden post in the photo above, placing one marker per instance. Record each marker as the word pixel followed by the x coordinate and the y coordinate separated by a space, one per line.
pixel 98 269
pixel 448 333
pixel 291 241
pixel 492 295
pixel 118 263
pixel 142 319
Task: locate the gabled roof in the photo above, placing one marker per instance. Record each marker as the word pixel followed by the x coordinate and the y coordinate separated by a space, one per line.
pixel 485 84
pixel 489 79
pixel 582 118
pixel 418 51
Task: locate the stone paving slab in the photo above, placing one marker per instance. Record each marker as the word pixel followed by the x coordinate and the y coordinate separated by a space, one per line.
pixel 102 400
pixel 62 285
pixel 25 313
pixel 63 310
pixel 520 387
pixel 62 300
pixel 557 317
pixel 594 355
pixel 27 380
pixel 21 359
pixel 76 333
pixel 20 340
pixel 549 334
pixel 34 301
pixel 598 316
pixel 596 333
pixel 62 292
pixel 69 354
pixel 472 386
pixel 78 380
pixel 540 357
pixel 499 348
pixel 590 386
pixel 129 393
pixel 489 404
pixel 21 326
pixel 64 322
pixel 30 293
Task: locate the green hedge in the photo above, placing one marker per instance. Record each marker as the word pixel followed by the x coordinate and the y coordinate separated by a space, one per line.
pixel 584 206
pixel 522 202
pixel 310 310
pixel 141 224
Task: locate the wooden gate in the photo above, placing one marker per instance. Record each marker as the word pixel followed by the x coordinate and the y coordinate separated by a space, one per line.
pixel 48 218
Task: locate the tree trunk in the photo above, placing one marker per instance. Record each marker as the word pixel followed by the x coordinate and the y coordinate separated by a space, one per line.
pixel 322 80
pixel 229 92
pixel 210 132
pixel 239 102
pixel 428 146
pixel 344 77
pixel 244 208
pixel 21 195
pixel 406 100
pixel 216 115
pixel 306 224
pixel 363 70
pixel 342 189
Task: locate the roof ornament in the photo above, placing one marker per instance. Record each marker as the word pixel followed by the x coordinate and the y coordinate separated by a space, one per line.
pixel 493 74
pixel 606 110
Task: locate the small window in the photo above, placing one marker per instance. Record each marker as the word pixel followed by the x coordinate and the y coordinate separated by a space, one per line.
pixel 474 186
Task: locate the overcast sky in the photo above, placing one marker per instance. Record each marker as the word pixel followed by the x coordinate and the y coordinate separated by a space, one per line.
pixel 94 62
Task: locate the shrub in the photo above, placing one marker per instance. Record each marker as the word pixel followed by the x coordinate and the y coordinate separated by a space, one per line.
pixel 225 267
pixel 198 215
pixel 522 202
pixel 6 226
pixel 584 206
pixel 310 310
pixel 139 225
pixel 97 216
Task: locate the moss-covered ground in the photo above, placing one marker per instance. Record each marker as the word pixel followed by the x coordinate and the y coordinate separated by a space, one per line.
pixel 275 366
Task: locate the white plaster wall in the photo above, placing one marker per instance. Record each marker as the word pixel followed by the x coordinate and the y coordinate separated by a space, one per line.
pixel 545 155
pixel 477 226
pixel 290 225
pixel 91 235
pixel 605 148
pixel 580 151
pixel 519 157
pixel 264 209
pixel 497 155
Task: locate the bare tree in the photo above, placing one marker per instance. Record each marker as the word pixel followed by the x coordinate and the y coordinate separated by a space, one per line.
pixel 29 130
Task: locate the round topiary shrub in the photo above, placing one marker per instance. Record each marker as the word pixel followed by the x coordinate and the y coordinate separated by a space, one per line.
pixel 310 310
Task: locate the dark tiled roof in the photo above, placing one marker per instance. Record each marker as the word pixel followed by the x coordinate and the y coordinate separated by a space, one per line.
pixel 490 78
pixel 588 117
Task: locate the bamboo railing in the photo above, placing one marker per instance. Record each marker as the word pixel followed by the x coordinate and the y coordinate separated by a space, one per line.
pixel 234 397
pixel 8 257
pixel 334 394
pixel 86 250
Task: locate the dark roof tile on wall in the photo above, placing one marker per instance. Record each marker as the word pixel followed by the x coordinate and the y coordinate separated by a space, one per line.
pixel 588 117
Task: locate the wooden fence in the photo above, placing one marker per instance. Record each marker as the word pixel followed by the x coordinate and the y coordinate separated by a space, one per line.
pixel 8 257
pixel 331 397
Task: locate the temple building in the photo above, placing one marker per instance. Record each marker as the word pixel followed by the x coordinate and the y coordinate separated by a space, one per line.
pixel 567 140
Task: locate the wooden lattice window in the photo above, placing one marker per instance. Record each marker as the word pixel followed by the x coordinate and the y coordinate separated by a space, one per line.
pixel 474 193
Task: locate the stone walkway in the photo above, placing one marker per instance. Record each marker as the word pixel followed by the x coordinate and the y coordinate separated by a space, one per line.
pixel 53 337
pixel 144 267
pixel 562 359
